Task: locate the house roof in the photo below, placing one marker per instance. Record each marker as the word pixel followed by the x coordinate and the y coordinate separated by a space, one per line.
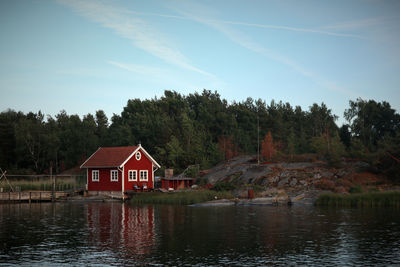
pixel 109 156
pixel 115 156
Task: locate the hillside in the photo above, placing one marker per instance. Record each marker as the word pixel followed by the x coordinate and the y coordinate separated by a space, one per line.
pixel 296 179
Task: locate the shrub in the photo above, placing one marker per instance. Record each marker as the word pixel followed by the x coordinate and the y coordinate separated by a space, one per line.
pixel 325 184
pixel 356 189
pixel 223 186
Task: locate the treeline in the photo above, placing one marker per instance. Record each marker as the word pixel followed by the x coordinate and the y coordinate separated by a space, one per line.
pixel 202 129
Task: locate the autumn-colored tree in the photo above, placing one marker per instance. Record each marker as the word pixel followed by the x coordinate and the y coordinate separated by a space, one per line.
pixel 226 146
pixel 267 146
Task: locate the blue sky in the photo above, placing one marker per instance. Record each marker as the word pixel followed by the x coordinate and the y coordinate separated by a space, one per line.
pixel 82 56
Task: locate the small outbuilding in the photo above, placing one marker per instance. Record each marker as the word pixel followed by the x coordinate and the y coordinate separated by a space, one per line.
pixel 120 169
pixel 176 183
pixel 169 181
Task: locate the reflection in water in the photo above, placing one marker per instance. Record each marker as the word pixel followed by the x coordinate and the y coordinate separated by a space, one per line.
pixel 118 234
pixel 117 225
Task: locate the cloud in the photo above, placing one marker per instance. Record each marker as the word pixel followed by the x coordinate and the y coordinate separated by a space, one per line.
pixel 134 29
pixel 257 25
pixel 245 41
pixel 140 69
pixel 354 24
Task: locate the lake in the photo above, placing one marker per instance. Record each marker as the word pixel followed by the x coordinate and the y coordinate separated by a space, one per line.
pixel 115 234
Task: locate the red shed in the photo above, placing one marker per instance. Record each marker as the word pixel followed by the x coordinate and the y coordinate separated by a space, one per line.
pixel 120 169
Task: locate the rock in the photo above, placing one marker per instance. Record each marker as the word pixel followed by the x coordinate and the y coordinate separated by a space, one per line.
pixel 342 173
pixel 285 174
pixel 293 182
pixel 283 182
pixel 273 179
pixel 304 182
pixel 317 176
pixel 361 166
pixel 195 186
pixel 327 174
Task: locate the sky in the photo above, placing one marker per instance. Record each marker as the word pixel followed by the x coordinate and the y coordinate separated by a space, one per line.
pixel 82 56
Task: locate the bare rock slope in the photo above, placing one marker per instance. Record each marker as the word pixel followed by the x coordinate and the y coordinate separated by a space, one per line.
pixel 298 180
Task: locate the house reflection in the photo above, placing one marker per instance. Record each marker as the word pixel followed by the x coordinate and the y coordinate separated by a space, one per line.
pixel 123 227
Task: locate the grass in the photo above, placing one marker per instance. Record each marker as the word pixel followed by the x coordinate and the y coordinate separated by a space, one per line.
pixel 181 198
pixel 370 199
pixel 43 184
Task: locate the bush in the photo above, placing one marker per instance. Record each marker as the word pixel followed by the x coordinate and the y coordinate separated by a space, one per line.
pixel 325 184
pixel 356 189
pixel 223 186
pixel 202 181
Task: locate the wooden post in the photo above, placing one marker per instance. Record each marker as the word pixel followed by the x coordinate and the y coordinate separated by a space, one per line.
pixel 30 197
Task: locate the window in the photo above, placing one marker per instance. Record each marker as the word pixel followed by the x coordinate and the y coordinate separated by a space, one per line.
pixel 143 175
pixel 132 175
pixel 138 155
pixel 95 176
pixel 114 176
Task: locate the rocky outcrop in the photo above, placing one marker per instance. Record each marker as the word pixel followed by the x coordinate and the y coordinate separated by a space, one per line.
pixel 294 179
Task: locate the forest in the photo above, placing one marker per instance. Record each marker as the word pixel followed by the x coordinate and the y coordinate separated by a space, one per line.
pixel 202 128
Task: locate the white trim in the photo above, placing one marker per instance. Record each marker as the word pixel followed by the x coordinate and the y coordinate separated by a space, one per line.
pixel 140 175
pixel 112 179
pixel 98 175
pixel 138 154
pixel 154 177
pixel 145 153
pixel 136 176
pixel 89 158
pixel 123 180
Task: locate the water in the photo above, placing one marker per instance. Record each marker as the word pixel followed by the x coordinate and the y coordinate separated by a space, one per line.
pixel 115 234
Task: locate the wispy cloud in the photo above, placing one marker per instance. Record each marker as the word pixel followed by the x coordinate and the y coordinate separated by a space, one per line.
pixel 142 35
pixel 245 41
pixel 258 25
pixel 140 69
pixel 383 29
pixel 355 24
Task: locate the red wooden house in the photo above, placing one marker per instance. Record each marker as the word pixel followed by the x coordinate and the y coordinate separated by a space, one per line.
pixel 120 169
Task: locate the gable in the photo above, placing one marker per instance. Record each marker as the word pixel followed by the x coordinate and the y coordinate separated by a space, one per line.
pixel 144 154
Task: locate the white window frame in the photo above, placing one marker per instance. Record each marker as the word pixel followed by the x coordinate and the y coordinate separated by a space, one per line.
pixel 138 155
pixel 134 177
pixel 95 175
pixel 114 175
pixel 144 175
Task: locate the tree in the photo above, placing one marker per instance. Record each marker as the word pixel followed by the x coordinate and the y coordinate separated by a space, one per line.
pixel 388 158
pixel 174 151
pixel 329 147
pixel 267 147
pixel 291 144
pixel 30 138
pixel 227 147
pixel 345 135
pixel 371 122
pixel 101 127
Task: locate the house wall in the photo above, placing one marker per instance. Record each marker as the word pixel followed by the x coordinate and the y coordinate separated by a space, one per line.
pixel 104 183
pixel 143 164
